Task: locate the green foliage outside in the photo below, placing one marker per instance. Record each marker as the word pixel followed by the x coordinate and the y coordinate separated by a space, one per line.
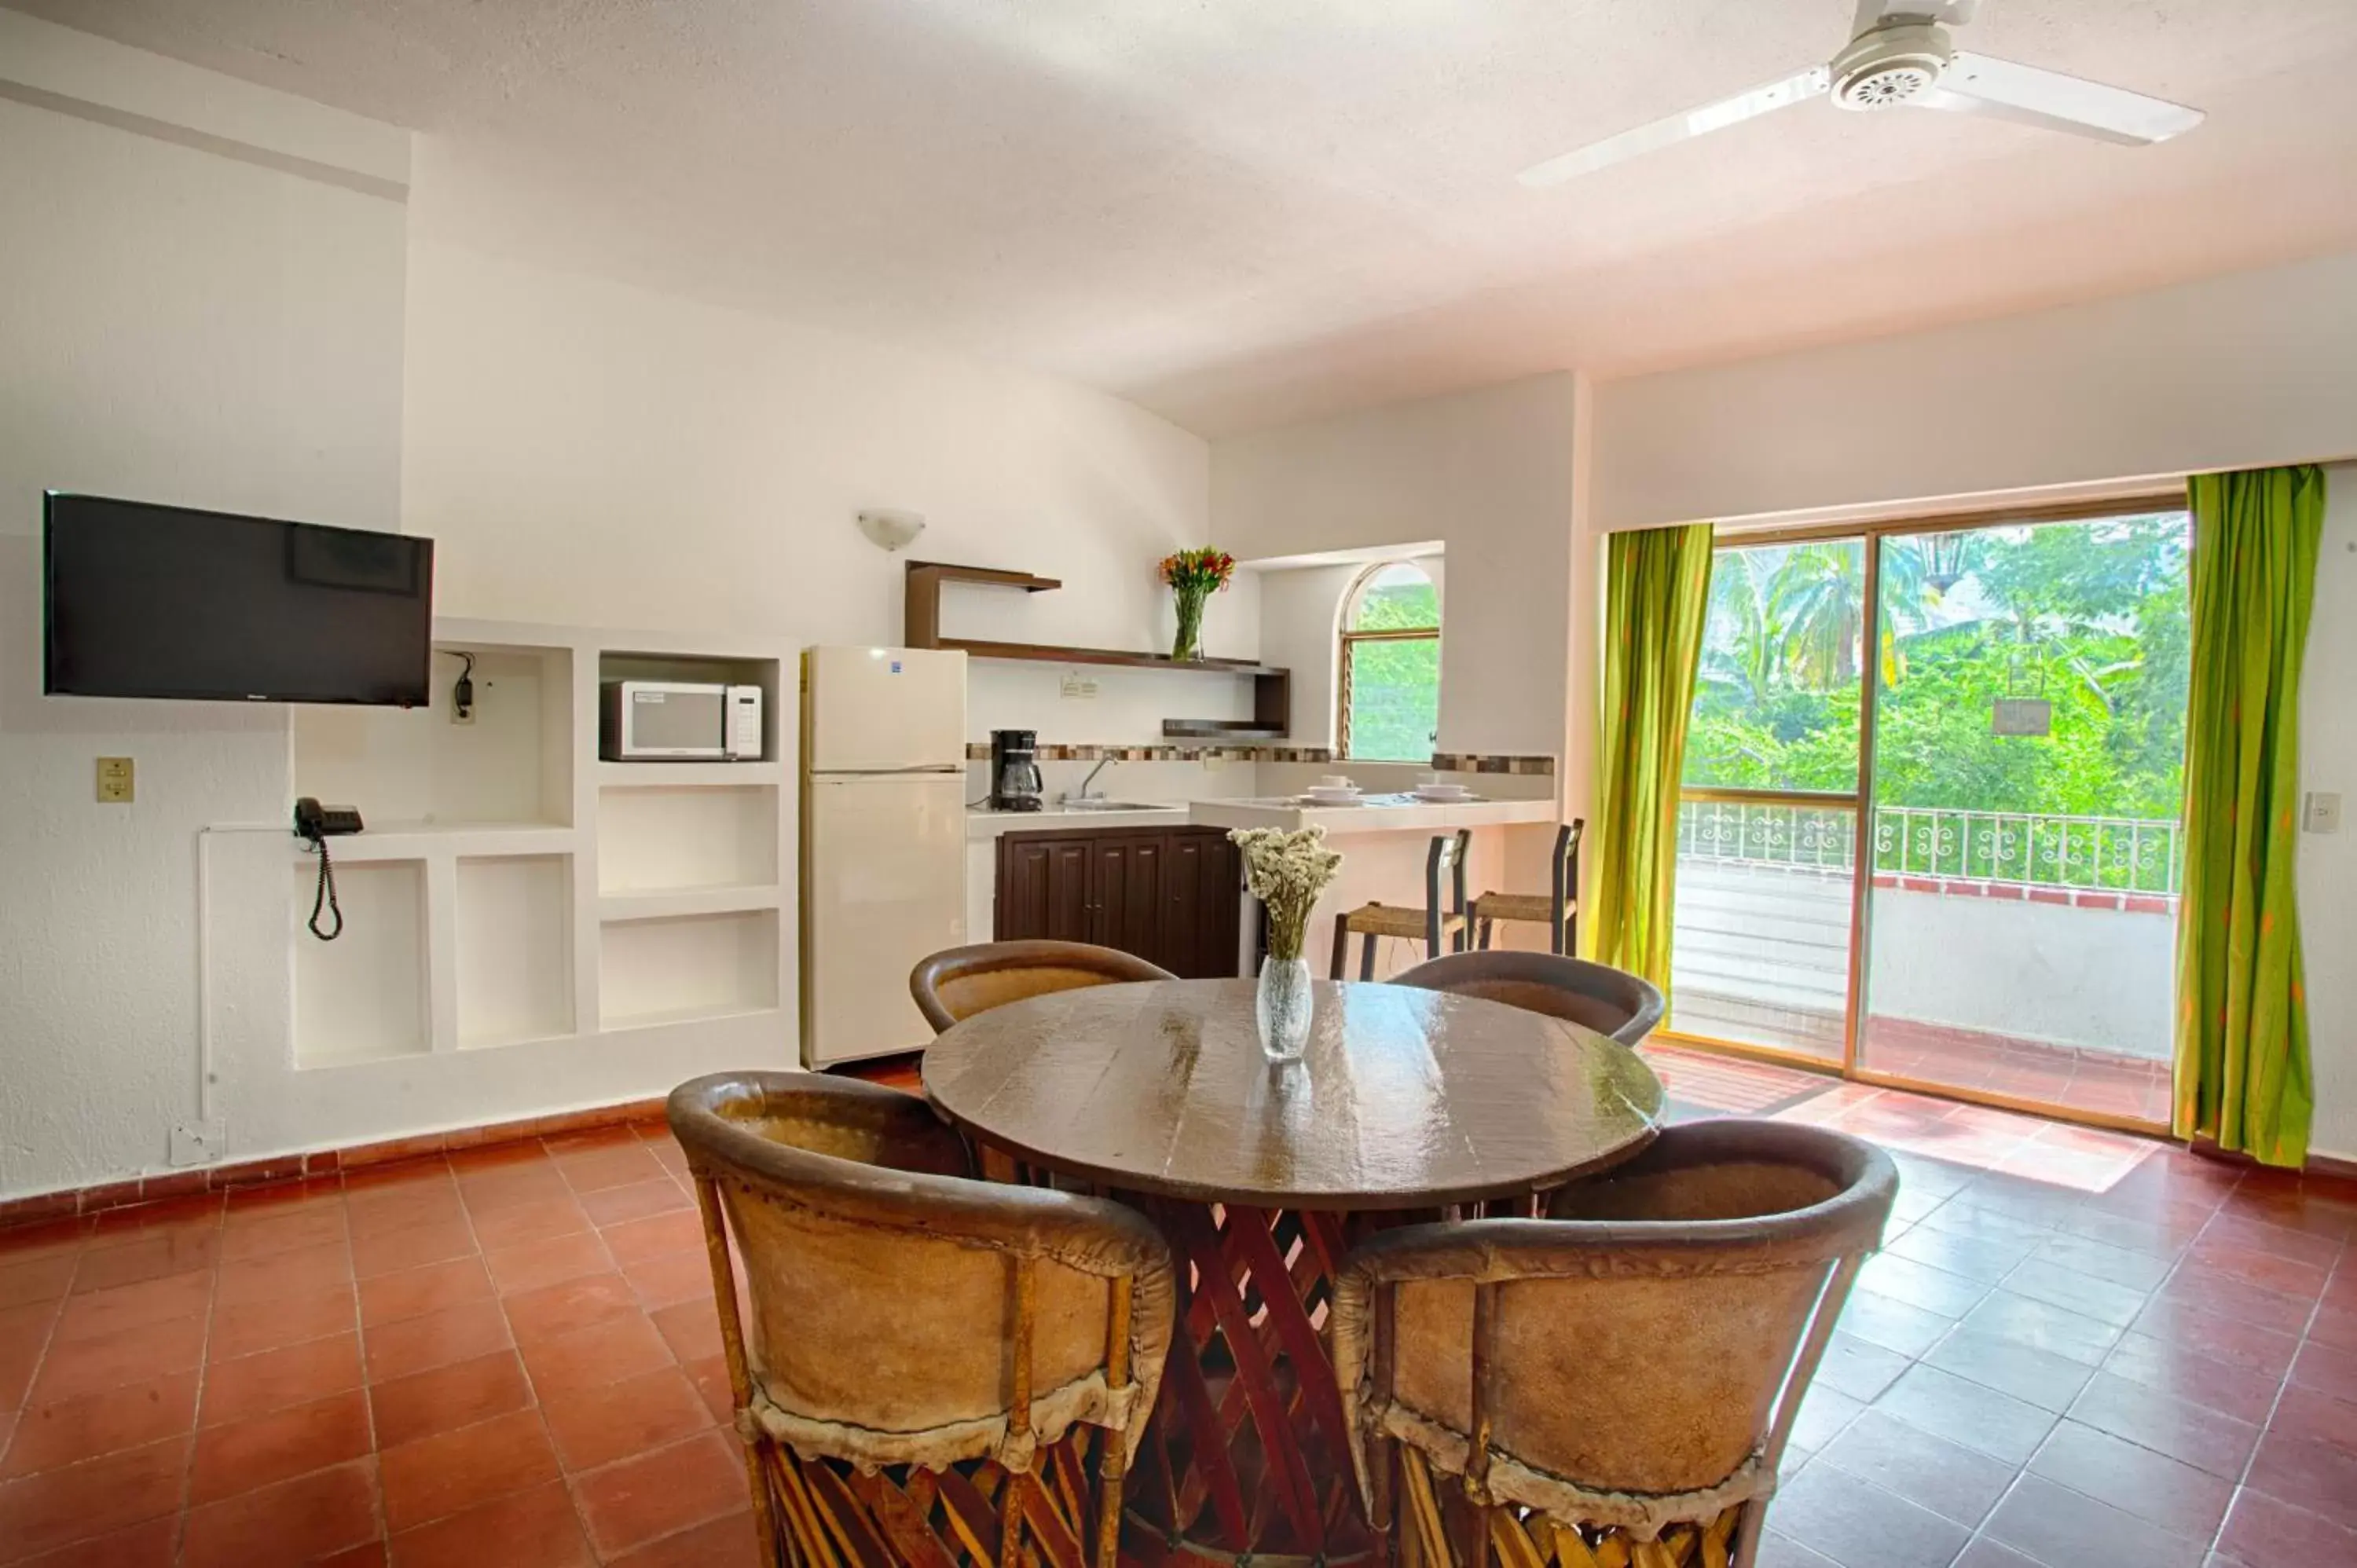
pixel 1396 686
pixel 2091 616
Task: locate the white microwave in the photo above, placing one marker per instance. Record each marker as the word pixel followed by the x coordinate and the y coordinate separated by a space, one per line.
pixel 674 721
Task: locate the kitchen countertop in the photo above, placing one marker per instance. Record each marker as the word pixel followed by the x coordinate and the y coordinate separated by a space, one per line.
pixel 982 823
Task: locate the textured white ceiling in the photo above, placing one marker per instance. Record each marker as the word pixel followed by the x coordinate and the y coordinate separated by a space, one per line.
pixel 1239 212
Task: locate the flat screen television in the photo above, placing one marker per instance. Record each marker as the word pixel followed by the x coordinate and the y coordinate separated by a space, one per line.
pixel 166 601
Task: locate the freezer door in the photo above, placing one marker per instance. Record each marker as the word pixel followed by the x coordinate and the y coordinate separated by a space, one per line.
pixel 875 710
pixel 884 885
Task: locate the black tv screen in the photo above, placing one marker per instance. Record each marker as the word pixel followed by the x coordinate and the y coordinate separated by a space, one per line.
pixel 164 601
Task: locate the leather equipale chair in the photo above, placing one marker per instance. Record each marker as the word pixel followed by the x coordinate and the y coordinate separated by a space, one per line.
pixel 1609 1000
pixel 901 1313
pixel 954 985
pixel 1609 1384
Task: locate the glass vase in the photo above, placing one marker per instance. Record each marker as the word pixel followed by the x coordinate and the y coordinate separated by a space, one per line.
pixel 1188 643
pixel 1282 1008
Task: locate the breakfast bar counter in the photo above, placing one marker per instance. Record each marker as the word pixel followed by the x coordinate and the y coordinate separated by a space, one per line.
pixel 1372 813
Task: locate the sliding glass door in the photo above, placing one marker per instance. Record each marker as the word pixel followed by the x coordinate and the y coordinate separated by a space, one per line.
pixel 1928 828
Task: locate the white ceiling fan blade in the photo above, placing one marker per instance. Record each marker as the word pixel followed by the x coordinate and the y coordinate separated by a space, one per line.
pixel 1946 13
pixel 1748 105
pixel 1978 84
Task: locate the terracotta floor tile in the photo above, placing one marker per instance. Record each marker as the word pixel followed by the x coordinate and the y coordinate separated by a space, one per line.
pixel 1856 1522
pixel 412 1247
pixel 148 1258
pixel 2267 1352
pixel 24 1337
pixel 126 1356
pixel 534 1219
pixel 1893 1324
pixel 433 1206
pixel 252 1327
pixel 2325 1369
pixel 295 1522
pixel 1857 1369
pixel 134 1306
pixel 681 1230
pixel 447 1398
pixel 305 1271
pixel 625 1347
pixel 36 1279
pixel 2267 1532
pixel 63 1237
pixel 661 1492
pixel 670 1279
pixel 1985 1553
pixel 261 1233
pixel 152 1544
pixel 600 1424
pixel 131 1416
pixel 412 1292
pixel 2055 1524
pixel 2206 1439
pixel 710 1377
pixel 451 1471
pixel 570 1305
pixel 729 1542
pixel 619 1167
pixel 40 1512
pixel 1952 1481
pixel 2032 1376
pixel 536 1263
pixel 2188 1375
pixel 513 1189
pixel 2316 1418
pixel 275 1379
pixel 2218 1294
pixel 536 1528
pixel 1965 1412
pixel 1920 1284
pixel 2317 1476
pixel 266 1449
pixel 637 1200
pixel 2083 1293
pixel 413 1345
pixel 2135 1480
pixel 691 1329
pixel 2040 1325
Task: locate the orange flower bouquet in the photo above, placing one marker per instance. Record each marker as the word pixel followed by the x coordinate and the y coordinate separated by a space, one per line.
pixel 1194 575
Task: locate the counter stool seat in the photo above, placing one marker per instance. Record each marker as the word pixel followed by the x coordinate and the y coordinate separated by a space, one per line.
pixel 1557 911
pixel 1433 924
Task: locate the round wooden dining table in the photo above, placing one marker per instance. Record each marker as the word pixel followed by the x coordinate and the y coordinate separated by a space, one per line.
pixel 1407 1105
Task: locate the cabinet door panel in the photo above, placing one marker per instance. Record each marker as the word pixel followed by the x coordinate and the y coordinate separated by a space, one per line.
pixel 1043 890
pixel 1124 894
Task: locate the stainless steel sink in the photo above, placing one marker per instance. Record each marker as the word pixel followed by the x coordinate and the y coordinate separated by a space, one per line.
pixel 1099 803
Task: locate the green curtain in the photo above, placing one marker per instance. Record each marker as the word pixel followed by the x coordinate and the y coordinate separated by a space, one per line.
pixel 1656 591
pixel 2242 1075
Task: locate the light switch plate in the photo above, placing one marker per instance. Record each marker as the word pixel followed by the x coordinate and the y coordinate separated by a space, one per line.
pixel 1078 685
pixel 114 779
pixel 2323 813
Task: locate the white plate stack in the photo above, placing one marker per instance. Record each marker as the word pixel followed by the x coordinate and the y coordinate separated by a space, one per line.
pixel 1434 792
pixel 1332 790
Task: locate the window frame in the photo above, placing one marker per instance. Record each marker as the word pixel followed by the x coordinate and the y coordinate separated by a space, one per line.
pixel 1346 650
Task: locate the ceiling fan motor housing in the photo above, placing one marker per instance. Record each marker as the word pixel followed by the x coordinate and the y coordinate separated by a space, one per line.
pixel 1890 64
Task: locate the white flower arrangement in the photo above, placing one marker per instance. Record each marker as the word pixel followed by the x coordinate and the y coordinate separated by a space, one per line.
pixel 1286 872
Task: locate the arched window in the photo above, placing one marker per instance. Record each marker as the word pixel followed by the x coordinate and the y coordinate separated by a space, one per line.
pixel 1390 686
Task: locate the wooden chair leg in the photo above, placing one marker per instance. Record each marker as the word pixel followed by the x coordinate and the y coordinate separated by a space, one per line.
pixel 1367 956
pixel 1483 941
pixel 1341 947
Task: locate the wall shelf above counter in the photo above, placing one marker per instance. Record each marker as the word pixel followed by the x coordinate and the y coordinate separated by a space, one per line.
pixel 921 628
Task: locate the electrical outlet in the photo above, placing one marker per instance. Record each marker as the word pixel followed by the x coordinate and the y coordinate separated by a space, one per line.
pixel 198 1143
pixel 1078 685
pixel 114 779
pixel 2323 814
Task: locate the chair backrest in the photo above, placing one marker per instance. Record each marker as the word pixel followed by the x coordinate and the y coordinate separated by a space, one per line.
pixel 1651 1337
pixel 899 1312
pixel 955 984
pixel 1564 873
pixel 1607 1000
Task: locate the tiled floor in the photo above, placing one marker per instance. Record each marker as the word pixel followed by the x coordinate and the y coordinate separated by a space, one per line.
pixel 2027 1070
pixel 2079 1348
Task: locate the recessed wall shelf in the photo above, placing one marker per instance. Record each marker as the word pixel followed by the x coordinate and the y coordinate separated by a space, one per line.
pixel 921 628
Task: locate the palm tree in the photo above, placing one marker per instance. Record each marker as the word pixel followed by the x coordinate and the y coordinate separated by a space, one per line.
pixel 1744 651
pixel 1818 603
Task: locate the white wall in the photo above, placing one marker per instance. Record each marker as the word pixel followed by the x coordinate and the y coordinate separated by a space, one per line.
pixel 197 329
pixel 2097 979
pixel 2247 371
pixel 2328 864
pixel 1490 475
pixel 2242 371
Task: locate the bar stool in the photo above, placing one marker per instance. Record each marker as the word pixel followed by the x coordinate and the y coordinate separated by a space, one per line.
pixel 1446 861
pixel 1558 911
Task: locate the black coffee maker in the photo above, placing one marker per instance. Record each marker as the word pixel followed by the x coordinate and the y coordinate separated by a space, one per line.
pixel 1014 770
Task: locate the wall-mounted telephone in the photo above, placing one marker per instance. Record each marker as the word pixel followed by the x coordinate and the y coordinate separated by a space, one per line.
pixel 317 824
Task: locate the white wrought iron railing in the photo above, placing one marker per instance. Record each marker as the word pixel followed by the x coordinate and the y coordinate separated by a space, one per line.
pixel 2029 849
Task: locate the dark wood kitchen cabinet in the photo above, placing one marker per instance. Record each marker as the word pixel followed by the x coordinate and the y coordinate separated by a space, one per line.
pixel 1168 895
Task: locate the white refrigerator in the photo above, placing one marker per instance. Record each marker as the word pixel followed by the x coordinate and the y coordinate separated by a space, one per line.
pixel 883 841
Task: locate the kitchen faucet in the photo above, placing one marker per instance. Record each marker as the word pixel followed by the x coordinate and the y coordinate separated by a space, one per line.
pixel 1083 792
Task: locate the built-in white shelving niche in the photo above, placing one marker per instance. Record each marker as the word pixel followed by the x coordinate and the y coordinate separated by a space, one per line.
pixel 515 904
pixel 510 764
pixel 678 968
pixel 687 838
pixel 362 997
pixel 514 952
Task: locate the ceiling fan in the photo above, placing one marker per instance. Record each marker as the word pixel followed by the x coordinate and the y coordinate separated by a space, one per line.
pixel 1899 53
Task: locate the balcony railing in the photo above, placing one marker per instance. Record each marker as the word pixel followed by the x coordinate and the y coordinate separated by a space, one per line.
pixel 2025 849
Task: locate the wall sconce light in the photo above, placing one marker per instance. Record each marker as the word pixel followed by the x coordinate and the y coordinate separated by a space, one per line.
pixel 889 528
